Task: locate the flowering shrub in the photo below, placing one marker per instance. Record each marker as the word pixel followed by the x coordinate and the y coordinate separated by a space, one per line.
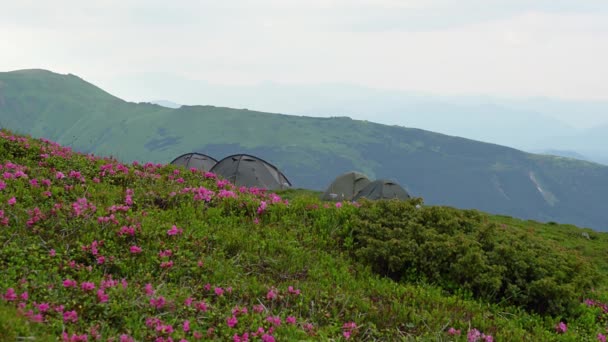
pixel 93 249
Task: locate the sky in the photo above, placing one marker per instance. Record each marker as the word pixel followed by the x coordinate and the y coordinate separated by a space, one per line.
pixel 507 48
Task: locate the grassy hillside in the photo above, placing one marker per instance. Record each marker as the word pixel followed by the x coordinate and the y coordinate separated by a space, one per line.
pixel 95 247
pixel 311 151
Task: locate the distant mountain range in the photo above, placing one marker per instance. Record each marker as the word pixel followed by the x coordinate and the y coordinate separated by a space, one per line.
pixel 311 151
pixel 531 125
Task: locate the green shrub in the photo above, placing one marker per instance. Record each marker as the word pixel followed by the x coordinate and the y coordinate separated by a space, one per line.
pixel 458 251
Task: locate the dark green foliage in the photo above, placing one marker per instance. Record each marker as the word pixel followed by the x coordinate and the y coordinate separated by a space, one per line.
pixel 461 251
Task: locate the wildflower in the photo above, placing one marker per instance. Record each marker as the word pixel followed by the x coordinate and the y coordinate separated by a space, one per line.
pixel 24 296
pixel 43 307
pixel 52 252
pixel 338 204
pixel 258 308
pixel 561 328
pixel 201 306
pixel 87 286
pixel 186 326
pixel 188 301
pixel 135 249
pixel 166 264
pixel 174 231
pixel 59 175
pixel 165 253
pixel 239 311
pixel 102 296
pixel 231 321
pixel 125 338
pixel 158 302
pixel 2 185
pixel 276 320
pixel 453 332
pixel 271 294
pixel 473 335
pixel 10 294
pixel 293 291
pixel 268 338
pixel 12 201
pixel 70 283
pixel 219 291
pixel 290 320
pixel 70 316
pixel 348 329
pixel 148 289
pixel 262 207
pixel 101 260
pixel 164 329
pixel 601 337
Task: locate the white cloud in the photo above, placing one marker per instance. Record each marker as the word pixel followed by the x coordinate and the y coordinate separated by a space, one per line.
pixel 527 53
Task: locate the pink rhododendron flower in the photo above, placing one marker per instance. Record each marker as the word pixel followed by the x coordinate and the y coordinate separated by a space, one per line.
pixel 174 231
pixel 10 294
pixel 148 289
pixel 102 297
pixel 231 321
pixel 135 249
pixel 166 264
pixel 271 294
pixel 453 332
pixel 561 328
pixel 201 306
pixel 70 283
pixel 473 335
pixel 158 302
pixel 70 316
pixel 87 286
pixel 43 307
pixel 164 329
pixel 126 338
pixel 268 338
pixel 274 320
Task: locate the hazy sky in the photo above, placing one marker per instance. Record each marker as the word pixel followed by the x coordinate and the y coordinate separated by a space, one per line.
pixel 512 48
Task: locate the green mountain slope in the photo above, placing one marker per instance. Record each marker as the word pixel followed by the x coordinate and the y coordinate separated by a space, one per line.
pixel 311 151
pixel 93 249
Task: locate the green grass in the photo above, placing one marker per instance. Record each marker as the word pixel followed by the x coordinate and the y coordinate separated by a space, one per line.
pixel 232 242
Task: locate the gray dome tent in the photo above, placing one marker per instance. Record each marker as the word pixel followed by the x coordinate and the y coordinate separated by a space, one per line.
pixel 345 186
pixel 382 189
pixel 195 160
pixel 250 171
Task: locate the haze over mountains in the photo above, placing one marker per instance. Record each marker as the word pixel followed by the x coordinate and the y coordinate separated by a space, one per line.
pixel 538 125
pixel 311 151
